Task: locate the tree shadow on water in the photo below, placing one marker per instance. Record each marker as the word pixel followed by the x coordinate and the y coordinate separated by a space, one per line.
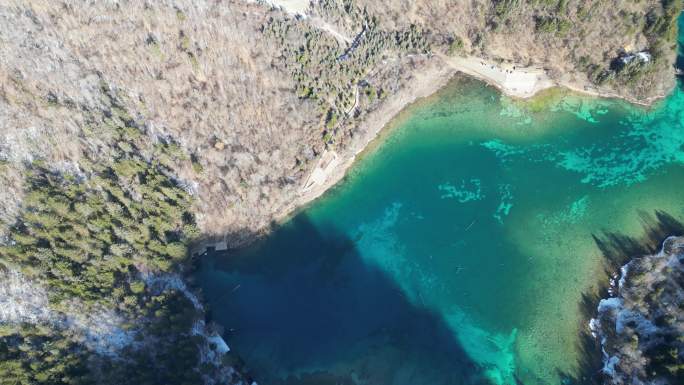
pixel 617 249
pixel 301 306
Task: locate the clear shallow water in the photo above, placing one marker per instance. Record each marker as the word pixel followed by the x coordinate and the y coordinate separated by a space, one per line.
pixel 458 250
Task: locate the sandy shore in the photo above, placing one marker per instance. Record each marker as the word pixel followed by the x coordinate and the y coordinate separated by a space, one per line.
pixel 295 7
pixel 332 165
pixel 525 82
pixel 513 80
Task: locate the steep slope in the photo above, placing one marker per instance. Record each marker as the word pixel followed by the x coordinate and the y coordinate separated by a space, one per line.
pixel 641 328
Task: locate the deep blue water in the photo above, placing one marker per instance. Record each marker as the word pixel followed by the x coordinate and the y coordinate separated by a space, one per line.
pixel 458 250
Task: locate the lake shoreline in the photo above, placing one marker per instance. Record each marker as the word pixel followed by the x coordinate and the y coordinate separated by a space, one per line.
pixel 435 74
pixel 424 84
pixel 557 217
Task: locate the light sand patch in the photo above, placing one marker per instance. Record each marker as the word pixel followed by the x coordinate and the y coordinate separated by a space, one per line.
pixel 324 168
pixel 511 79
pixel 295 7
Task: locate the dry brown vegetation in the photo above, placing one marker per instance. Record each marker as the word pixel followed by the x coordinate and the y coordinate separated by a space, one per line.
pixel 252 95
pixel 199 74
pixel 575 40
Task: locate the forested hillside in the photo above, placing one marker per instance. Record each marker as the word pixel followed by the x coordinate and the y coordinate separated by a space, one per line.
pixel 94 259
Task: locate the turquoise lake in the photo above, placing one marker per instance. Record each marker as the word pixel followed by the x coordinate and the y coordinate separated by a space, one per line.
pixel 458 248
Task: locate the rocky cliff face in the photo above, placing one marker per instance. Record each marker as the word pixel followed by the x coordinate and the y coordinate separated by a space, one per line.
pixel 641 328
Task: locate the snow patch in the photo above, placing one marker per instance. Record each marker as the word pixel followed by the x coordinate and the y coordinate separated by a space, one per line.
pixel 161 283
pixel 624 270
pixel 610 305
pixel 213 347
pixel 21 301
pixel 98 328
pixel 295 7
pixel 609 366
pixel 626 325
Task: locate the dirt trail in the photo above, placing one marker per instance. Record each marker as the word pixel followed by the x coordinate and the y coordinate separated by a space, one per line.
pixel 325 26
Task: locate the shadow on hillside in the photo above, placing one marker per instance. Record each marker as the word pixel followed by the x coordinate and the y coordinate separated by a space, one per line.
pixel 304 301
pixel 617 249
